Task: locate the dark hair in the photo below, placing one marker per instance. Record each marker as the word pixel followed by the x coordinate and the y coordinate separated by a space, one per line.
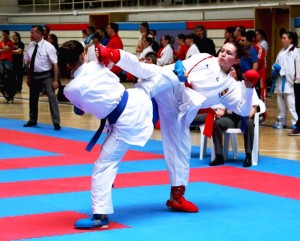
pixel 262 33
pixel 39 28
pixel 145 25
pixel 115 27
pixel 294 37
pixel 97 36
pixel 69 53
pixel 153 56
pixel 47 27
pixel 18 36
pixel 103 30
pixel 153 31
pixel 92 28
pixel 55 40
pixel 84 31
pixel 149 40
pixel 5 31
pixel 195 39
pixel 230 29
pixel 242 30
pixel 240 49
pixel 281 32
pixel 200 26
pixel 181 36
pixel 167 37
pixel 250 35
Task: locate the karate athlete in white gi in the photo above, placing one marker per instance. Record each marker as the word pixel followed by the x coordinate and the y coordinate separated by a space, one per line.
pixel 211 84
pixel 96 90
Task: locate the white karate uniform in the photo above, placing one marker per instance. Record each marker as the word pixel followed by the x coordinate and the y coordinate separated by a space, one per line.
pixel 193 49
pixel 97 91
pixel 286 100
pixel 179 105
pixel 167 56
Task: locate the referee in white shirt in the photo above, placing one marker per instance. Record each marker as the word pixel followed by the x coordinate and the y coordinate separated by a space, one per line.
pixel 42 74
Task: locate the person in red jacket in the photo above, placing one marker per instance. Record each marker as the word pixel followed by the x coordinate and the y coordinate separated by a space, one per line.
pixel 114 42
pixel 182 47
pixel 6 66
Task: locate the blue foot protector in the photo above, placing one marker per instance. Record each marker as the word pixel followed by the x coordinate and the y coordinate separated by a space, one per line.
pixel 92 222
pixel 179 71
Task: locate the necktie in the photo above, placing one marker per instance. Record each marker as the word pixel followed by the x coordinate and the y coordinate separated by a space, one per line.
pixel 33 58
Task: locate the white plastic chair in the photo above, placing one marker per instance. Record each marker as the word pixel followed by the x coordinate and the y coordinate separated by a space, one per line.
pixel 231 133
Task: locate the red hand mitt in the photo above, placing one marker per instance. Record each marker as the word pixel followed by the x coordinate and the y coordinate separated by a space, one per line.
pixel 252 76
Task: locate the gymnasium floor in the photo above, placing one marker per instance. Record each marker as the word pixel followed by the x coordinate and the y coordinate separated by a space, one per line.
pixel 45 181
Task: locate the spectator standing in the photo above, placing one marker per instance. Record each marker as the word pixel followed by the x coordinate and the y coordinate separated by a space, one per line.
pixel 84 36
pixel 103 36
pixel 18 61
pixel 239 32
pixel 166 55
pixel 90 31
pixel 284 86
pixel 46 32
pixel 52 38
pixel 41 57
pixel 147 47
pixel 250 60
pixel 261 38
pixel 115 42
pixel 191 41
pixel 6 66
pixel 296 131
pixel 91 53
pixel 144 33
pixel 182 47
pixel 155 44
pixel 206 45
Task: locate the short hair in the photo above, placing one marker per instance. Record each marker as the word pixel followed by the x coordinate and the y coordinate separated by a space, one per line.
pixel 115 27
pixel 39 28
pixel 97 36
pixel 6 31
pixel 181 36
pixel 153 56
pixel 201 26
pixel 92 28
pixel 145 25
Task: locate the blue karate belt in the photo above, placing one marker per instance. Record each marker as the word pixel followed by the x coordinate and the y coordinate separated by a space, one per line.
pixel 112 119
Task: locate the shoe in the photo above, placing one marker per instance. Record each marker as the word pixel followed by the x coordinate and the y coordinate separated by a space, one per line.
pixel 182 205
pixel 294 127
pixel 294 132
pixel 30 123
pixel 219 160
pixel 92 222
pixel 57 127
pixel 247 161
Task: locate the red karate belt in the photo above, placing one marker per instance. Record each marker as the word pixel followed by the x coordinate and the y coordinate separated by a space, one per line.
pixel 210 117
pixel 209 120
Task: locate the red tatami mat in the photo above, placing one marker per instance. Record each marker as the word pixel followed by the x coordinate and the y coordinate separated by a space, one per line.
pixel 267 183
pixel 69 152
pixel 41 225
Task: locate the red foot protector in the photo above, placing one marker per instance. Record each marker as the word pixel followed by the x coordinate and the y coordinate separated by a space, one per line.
pixel 41 225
